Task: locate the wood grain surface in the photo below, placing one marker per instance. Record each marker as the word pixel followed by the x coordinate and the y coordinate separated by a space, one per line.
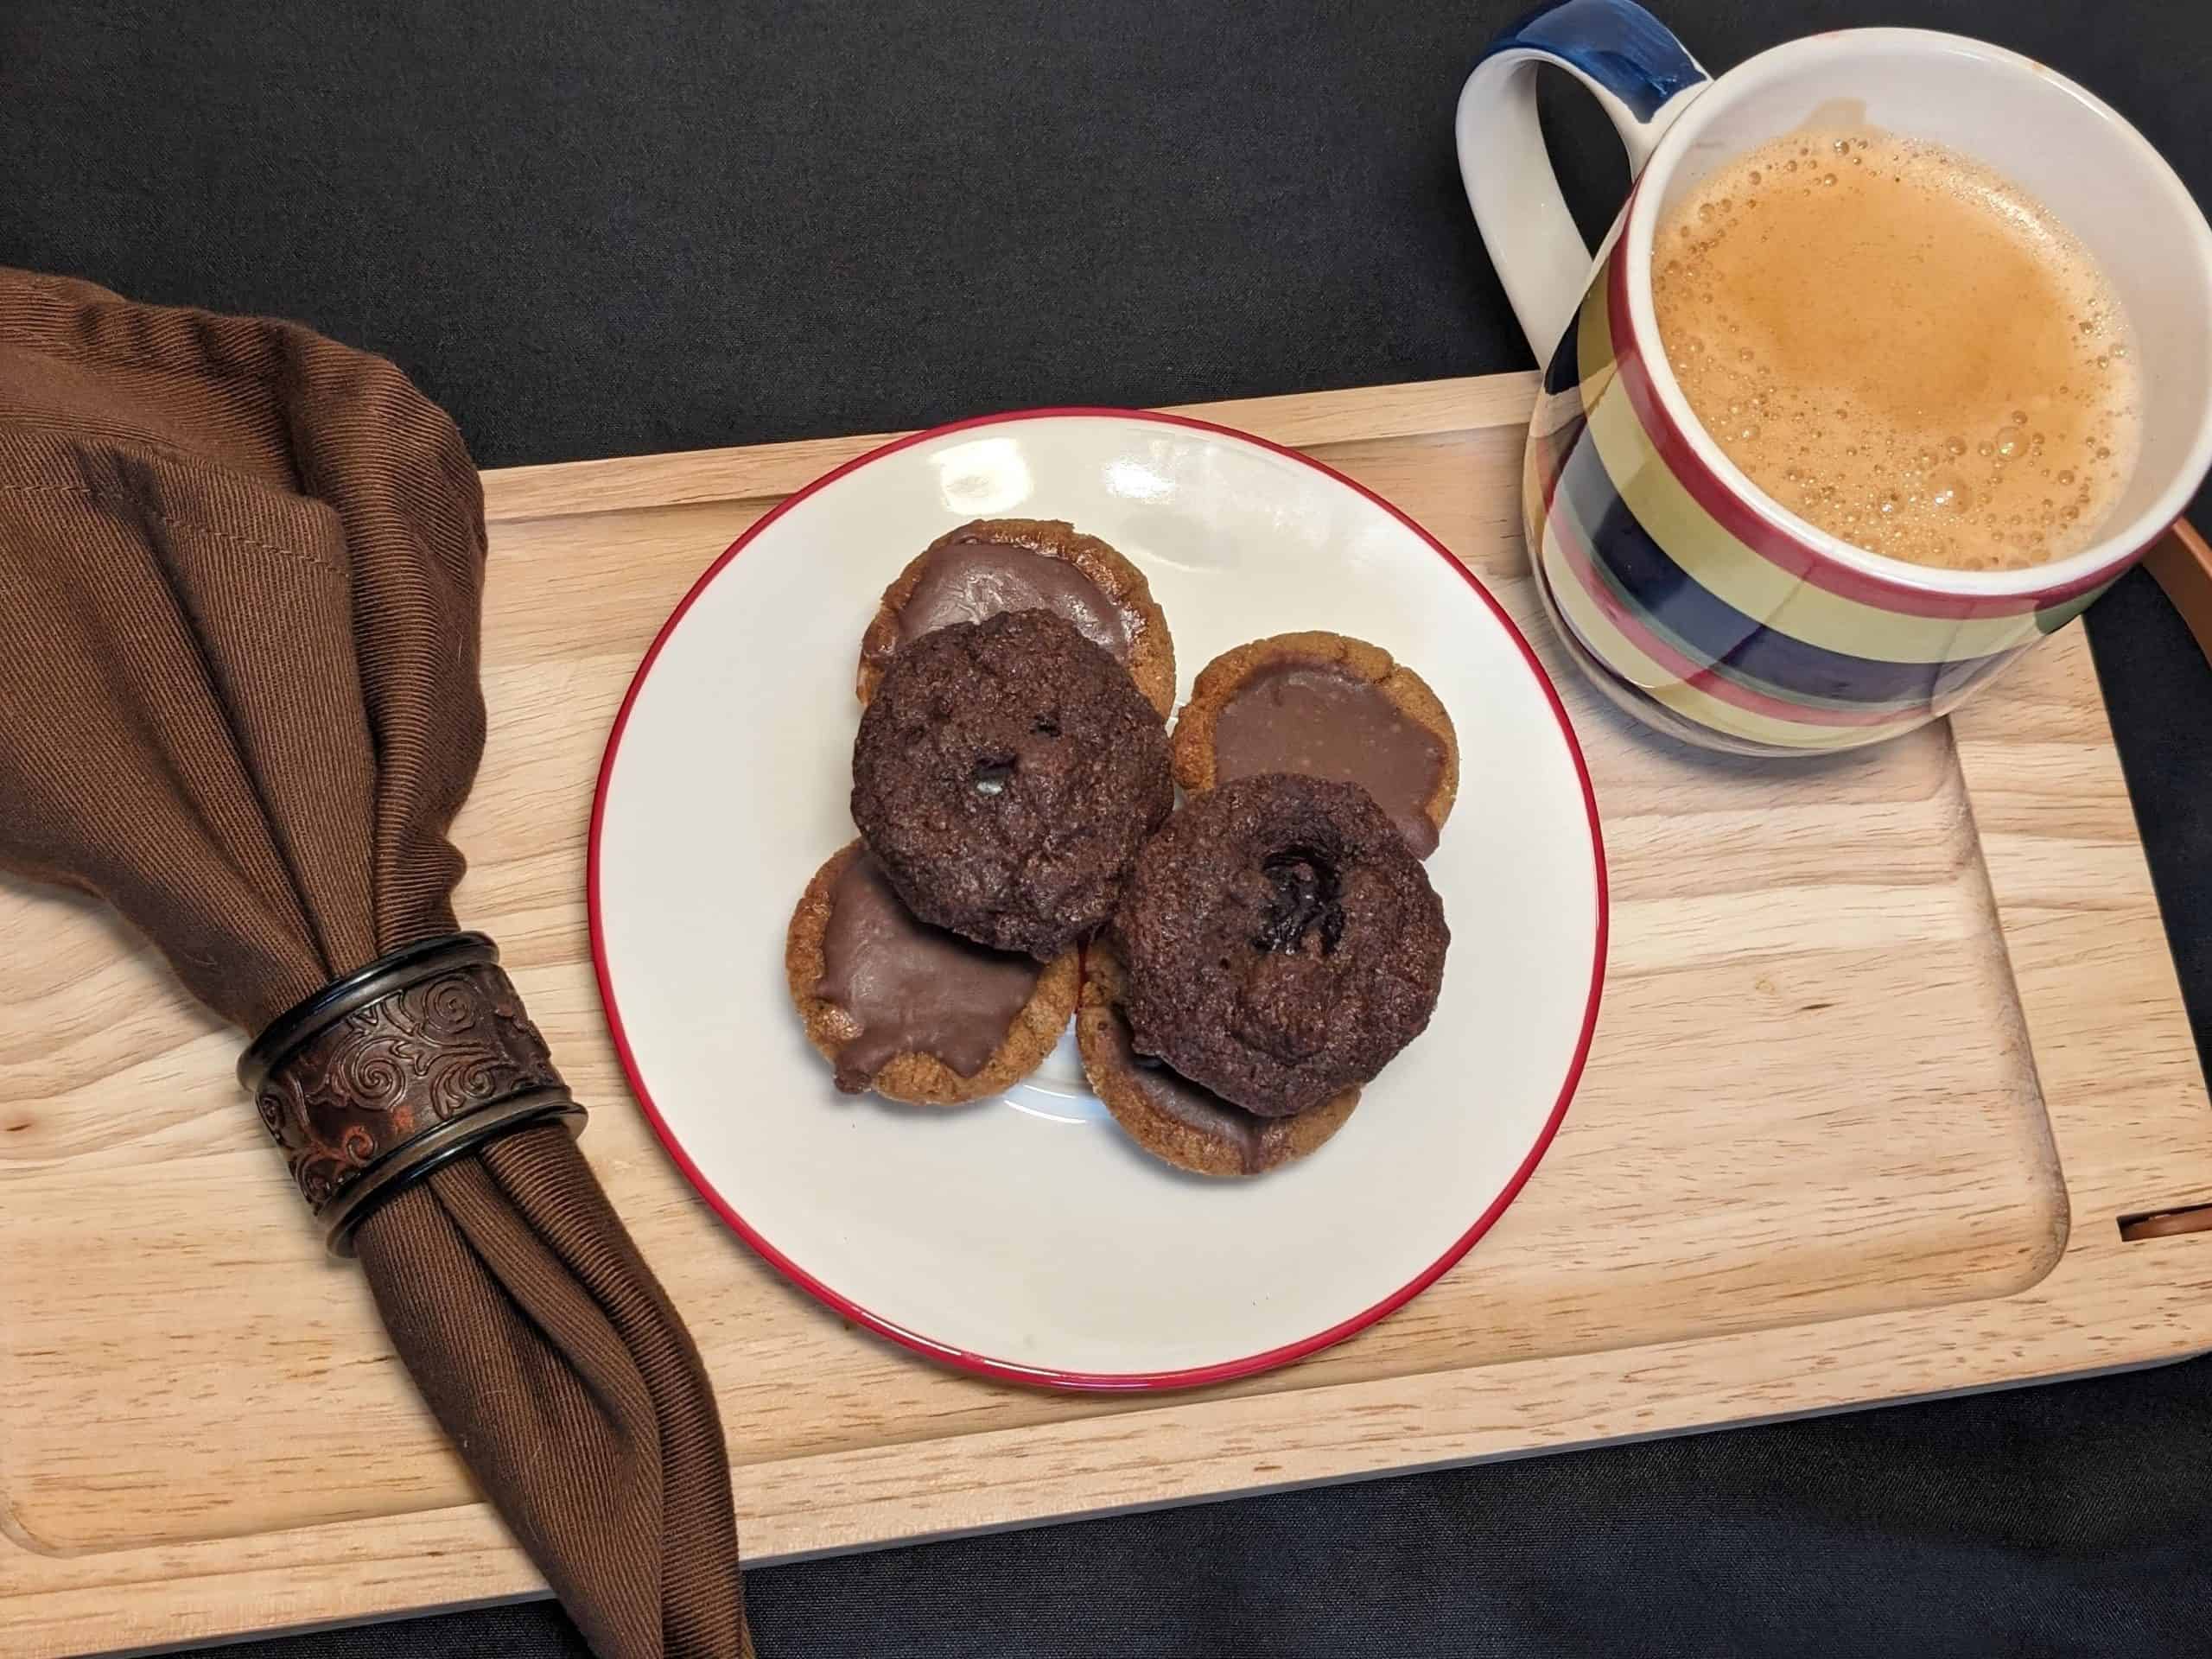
pixel 1889 1043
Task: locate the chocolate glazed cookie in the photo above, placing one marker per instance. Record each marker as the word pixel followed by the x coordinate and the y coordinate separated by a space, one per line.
pixel 1005 774
pixel 993 565
pixel 1281 942
pixel 908 1010
pixel 1327 706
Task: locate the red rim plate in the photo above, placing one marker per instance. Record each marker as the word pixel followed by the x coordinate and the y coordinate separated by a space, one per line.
pixel 983 1364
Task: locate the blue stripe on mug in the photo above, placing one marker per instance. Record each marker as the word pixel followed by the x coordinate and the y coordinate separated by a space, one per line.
pixel 1711 631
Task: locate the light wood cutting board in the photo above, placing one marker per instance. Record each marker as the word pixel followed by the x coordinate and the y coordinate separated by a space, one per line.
pixel 1890 1043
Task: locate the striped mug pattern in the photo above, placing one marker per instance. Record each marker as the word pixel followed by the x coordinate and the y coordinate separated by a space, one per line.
pixel 1700 616
pixel 1688 598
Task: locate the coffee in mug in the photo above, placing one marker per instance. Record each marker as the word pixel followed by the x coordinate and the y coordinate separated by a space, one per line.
pixel 1900 346
pixel 1978 386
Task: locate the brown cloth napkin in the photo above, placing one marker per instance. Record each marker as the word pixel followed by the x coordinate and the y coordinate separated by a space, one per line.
pixel 241 568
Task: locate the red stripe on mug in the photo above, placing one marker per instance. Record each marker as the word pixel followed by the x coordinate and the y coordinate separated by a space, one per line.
pixel 1704 677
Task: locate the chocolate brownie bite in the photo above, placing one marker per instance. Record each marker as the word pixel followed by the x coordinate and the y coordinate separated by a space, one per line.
pixel 1282 942
pixel 910 1011
pixel 1325 706
pixel 1005 775
pixel 993 565
pixel 1166 1113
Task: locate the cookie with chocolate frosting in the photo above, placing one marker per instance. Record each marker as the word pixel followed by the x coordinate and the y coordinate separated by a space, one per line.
pixel 1282 942
pixel 1167 1114
pixel 908 1010
pixel 992 565
pixel 1325 706
pixel 1005 774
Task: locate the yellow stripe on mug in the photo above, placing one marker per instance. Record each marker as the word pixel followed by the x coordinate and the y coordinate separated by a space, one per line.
pixel 1732 573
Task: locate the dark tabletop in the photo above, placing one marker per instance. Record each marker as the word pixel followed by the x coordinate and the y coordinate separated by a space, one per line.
pixel 601 227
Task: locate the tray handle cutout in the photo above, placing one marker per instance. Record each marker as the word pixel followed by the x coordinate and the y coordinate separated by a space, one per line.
pixel 2183 566
pixel 2166 1224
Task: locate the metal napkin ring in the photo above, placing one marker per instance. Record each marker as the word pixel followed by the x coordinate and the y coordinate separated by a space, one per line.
pixel 385 1075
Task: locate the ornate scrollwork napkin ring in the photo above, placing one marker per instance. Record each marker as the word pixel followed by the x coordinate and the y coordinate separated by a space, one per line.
pixel 399 1068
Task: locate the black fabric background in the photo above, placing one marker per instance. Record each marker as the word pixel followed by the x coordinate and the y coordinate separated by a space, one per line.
pixel 597 227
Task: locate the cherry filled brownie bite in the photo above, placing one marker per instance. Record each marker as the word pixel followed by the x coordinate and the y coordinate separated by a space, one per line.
pixel 1005 774
pixel 1281 941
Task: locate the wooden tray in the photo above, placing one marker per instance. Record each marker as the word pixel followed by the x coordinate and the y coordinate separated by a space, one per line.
pixel 1891 1043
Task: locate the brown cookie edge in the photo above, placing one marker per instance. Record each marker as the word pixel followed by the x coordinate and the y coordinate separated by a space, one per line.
pixel 1284 1140
pixel 916 1078
pixel 1152 647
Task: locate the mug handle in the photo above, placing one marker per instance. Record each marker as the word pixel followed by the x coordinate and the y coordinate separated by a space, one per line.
pixel 1644 79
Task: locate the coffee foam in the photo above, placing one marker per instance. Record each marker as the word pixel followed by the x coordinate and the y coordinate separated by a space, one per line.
pixel 1902 348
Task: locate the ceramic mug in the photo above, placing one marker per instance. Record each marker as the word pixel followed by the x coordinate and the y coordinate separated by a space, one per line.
pixel 1692 599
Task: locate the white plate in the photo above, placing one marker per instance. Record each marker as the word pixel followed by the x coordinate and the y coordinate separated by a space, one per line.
pixel 1026 1236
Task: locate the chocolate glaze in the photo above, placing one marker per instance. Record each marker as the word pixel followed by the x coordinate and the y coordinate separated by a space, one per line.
pixel 914 989
pixel 1321 722
pixel 1176 1096
pixel 968 580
